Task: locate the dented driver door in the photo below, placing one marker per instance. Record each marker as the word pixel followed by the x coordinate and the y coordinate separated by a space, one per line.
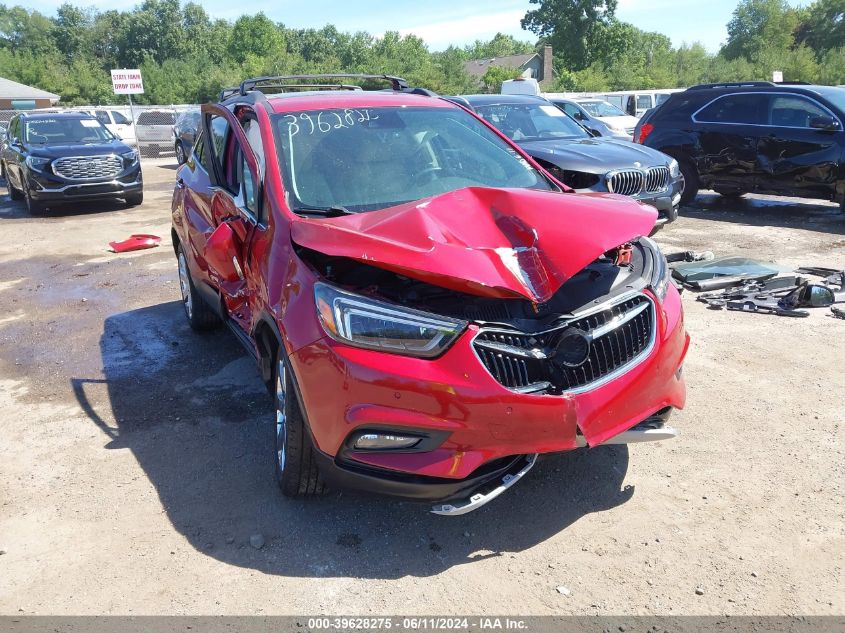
pixel 234 209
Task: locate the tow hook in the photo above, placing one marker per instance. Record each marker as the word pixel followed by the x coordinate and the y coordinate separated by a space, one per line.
pixel 479 499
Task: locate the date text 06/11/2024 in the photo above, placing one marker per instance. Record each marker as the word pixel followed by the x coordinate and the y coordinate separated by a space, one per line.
pixel 416 623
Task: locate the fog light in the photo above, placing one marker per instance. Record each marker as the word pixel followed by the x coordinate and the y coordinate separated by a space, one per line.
pixel 377 441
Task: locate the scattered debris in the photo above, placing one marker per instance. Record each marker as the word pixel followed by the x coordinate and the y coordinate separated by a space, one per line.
pixel 721 272
pixel 699 591
pixel 839 313
pixel 564 590
pixel 136 242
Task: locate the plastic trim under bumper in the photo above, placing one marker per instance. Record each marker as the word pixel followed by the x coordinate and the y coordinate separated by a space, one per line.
pixel 482 498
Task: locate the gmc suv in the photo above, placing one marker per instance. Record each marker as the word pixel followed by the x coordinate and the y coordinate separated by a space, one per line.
pixel 760 137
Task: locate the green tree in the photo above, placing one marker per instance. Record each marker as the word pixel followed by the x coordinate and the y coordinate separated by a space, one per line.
pixel 823 26
pixel 255 35
pixel 757 25
pixel 577 29
pixel 495 75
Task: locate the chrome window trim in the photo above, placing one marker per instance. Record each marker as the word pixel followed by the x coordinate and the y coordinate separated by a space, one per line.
pixel 767 93
pixel 577 316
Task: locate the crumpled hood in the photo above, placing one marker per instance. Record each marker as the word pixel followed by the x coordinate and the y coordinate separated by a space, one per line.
pixel 594 155
pixel 504 243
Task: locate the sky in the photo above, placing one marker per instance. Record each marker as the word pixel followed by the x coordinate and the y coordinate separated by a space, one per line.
pixel 444 22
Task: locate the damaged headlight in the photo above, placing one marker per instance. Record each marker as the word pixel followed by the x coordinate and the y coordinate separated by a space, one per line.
pixel 661 275
pixel 674 168
pixel 365 322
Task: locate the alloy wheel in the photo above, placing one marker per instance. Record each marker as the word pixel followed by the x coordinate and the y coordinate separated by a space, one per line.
pixel 185 285
pixel 281 418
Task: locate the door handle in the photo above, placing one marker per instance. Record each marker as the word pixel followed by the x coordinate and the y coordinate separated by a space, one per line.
pixel 180 183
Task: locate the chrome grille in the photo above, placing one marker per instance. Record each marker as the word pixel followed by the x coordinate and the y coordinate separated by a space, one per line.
pixel 621 333
pixel 656 179
pixel 627 182
pixel 88 167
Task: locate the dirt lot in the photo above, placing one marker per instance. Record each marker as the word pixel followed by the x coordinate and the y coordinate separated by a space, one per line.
pixel 136 459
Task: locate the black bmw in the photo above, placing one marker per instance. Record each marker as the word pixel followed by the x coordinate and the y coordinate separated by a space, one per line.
pixel 58 157
pixel 572 155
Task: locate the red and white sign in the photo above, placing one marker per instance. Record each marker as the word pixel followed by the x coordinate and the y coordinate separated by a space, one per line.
pixel 127 81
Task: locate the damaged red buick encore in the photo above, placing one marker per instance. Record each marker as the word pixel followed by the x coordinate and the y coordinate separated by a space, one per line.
pixel 430 309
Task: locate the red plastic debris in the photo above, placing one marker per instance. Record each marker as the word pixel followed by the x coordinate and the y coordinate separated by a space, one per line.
pixel 137 242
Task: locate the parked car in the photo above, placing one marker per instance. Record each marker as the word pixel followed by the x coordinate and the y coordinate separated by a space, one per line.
pixel 594 125
pixel 428 308
pixel 585 110
pixel 185 133
pixel 754 137
pixel 571 154
pixel 71 156
pixel 154 130
pixel 116 122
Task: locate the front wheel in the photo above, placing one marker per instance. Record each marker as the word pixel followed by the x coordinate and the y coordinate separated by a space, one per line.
pixel 33 206
pixel 691 182
pixel 180 153
pixel 200 316
pixel 296 466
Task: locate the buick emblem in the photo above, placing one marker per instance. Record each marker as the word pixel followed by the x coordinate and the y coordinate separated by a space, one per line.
pixel 573 348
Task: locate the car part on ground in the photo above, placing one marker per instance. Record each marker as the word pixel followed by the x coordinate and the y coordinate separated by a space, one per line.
pixel 721 272
pixel 838 313
pixel 68 156
pixel 753 137
pixel 427 306
pixel 135 242
pixel 570 153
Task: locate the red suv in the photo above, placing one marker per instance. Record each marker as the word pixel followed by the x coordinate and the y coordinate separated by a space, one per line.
pixel 429 308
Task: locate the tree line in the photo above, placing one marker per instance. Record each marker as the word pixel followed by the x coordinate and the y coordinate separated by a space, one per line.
pixel 188 57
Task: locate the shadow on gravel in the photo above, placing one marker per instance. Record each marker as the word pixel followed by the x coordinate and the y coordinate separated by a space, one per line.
pixel 196 416
pixel 793 213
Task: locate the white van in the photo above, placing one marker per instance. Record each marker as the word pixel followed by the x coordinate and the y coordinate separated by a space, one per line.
pixel 115 121
pixel 636 102
pixel 521 86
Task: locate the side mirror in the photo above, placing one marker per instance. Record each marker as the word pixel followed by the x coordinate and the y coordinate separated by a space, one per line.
pixel 15 142
pixel 824 122
pixel 819 296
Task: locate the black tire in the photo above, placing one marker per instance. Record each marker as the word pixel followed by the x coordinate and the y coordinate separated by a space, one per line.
pixel 135 199
pixel 14 194
pixel 180 153
pixel 34 207
pixel 294 455
pixel 691 181
pixel 200 316
pixel 733 194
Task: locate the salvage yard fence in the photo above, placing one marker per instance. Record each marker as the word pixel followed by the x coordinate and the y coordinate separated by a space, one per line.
pixel 147 128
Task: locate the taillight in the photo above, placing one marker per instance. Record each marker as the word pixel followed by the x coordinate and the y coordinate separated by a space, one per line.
pixel 645 130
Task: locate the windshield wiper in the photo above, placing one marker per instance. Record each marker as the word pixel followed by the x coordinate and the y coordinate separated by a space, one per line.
pixel 325 212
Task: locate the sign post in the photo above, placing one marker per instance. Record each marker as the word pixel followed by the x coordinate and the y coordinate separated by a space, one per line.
pixel 128 81
pixel 777 76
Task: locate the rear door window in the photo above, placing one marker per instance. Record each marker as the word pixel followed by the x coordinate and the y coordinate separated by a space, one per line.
pixel 119 118
pixel 643 102
pixel 103 117
pixel 742 109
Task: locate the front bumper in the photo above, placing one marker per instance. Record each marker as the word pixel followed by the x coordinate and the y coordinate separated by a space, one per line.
pixel 485 427
pixel 666 202
pixel 46 187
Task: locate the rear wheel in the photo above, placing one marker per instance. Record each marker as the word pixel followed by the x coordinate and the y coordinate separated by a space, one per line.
pixel 296 466
pixel 691 182
pixel 200 316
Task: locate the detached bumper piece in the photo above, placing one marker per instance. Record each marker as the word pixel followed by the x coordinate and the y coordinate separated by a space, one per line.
pixel 489 491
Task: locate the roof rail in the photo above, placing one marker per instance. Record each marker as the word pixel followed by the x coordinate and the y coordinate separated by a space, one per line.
pixel 738 84
pixel 248 85
pixel 229 92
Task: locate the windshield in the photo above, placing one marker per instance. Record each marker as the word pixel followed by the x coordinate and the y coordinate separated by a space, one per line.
pixel 601 108
pixel 364 159
pixel 65 130
pixel 531 121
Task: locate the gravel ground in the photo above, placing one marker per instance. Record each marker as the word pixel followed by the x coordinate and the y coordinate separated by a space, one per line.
pixel 136 461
